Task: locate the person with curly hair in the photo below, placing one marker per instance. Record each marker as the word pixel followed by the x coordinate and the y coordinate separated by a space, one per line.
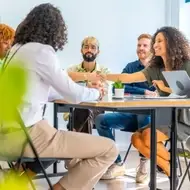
pixel 6 39
pixel 39 36
pixel 171 51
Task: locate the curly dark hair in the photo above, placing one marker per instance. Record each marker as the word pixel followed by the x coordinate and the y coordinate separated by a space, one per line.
pixel 44 24
pixel 177 48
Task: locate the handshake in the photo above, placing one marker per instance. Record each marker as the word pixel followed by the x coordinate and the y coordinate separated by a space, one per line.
pixel 99 86
pixel 96 80
pixel 95 76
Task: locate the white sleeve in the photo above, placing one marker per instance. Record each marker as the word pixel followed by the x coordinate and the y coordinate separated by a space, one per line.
pixel 54 95
pixel 48 67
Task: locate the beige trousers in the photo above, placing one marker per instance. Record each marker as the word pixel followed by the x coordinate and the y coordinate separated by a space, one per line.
pixel 92 154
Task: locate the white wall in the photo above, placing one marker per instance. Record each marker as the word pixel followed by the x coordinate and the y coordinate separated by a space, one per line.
pixel 116 24
pixel 184 24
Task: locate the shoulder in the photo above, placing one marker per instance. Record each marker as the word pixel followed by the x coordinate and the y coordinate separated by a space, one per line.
pixel 37 47
pixel 133 64
pixel 75 68
pixel 186 66
pixel 151 71
pixel 34 53
pixel 102 69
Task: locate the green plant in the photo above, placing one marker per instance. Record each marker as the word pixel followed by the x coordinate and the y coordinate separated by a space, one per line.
pixel 13 87
pixel 118 85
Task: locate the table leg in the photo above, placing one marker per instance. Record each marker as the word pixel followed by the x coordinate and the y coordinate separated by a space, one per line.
pixel 71 119
pixel 153 151
pixel 173 165
pixel 55 124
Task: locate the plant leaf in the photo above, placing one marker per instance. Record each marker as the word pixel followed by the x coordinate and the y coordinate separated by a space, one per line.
pixel 13 82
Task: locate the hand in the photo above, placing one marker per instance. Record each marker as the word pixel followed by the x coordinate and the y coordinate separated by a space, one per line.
pixel 101 76
pixel 94 76
pixel 95 84
pixel 151 93
pixel 99 86
pixel 158 84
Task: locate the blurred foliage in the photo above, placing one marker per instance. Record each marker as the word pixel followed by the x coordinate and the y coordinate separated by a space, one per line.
pixel 13 83
pixel 12 181
pixel 13 86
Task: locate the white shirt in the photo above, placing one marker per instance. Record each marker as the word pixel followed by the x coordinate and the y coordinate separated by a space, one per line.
pixel 44 71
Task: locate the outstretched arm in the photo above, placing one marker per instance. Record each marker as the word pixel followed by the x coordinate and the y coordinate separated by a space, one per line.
pixel 127 78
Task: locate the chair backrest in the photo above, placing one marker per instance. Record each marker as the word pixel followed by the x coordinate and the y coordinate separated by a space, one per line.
pixel 44 110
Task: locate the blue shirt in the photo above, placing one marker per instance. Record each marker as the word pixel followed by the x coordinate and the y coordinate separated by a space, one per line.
pixel 136 88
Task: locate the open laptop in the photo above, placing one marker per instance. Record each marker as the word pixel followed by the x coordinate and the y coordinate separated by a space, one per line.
pixel 179 82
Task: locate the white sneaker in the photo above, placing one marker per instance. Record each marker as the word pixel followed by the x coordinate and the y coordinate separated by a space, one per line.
pixel 114 171
pixel 142 175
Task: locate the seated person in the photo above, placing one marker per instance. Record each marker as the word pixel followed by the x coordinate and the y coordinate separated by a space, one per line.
pixel 84 72
pixel 127 121
pixel 144 55
pixel 6 39
pixel 170 52
pixel 40 35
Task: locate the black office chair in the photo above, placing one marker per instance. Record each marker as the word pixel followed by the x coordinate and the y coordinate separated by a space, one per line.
pixel 20 160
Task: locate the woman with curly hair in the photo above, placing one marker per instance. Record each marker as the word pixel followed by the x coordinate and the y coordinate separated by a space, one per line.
pixel 170 51
pixel 41 34
pixel 6 39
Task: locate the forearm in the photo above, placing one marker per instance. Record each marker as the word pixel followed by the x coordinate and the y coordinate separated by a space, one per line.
pixel 127 78
pixel 78 76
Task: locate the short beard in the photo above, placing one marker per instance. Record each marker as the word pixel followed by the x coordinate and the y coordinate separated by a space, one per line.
pixel 89 59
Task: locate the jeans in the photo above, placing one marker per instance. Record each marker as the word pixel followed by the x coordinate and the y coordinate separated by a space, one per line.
pixel 126 121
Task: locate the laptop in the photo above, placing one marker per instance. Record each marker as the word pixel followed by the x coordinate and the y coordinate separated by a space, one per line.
pixel 179 82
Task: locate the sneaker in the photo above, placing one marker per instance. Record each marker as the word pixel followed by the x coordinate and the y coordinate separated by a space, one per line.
pixel 114 171
pixel 142 175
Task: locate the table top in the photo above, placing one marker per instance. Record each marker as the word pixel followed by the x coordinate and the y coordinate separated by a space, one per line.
pixel 133 103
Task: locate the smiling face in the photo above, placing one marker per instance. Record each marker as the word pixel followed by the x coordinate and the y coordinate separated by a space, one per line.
pixel 160 45
pixel 143 48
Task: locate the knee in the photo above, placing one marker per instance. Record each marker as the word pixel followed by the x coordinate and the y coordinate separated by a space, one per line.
pixel 99 120
pixel 135 140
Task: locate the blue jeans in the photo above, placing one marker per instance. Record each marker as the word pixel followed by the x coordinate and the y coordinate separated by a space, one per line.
pixel 125 121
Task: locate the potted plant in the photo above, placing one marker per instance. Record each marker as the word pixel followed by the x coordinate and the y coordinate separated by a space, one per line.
pixel 119 89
